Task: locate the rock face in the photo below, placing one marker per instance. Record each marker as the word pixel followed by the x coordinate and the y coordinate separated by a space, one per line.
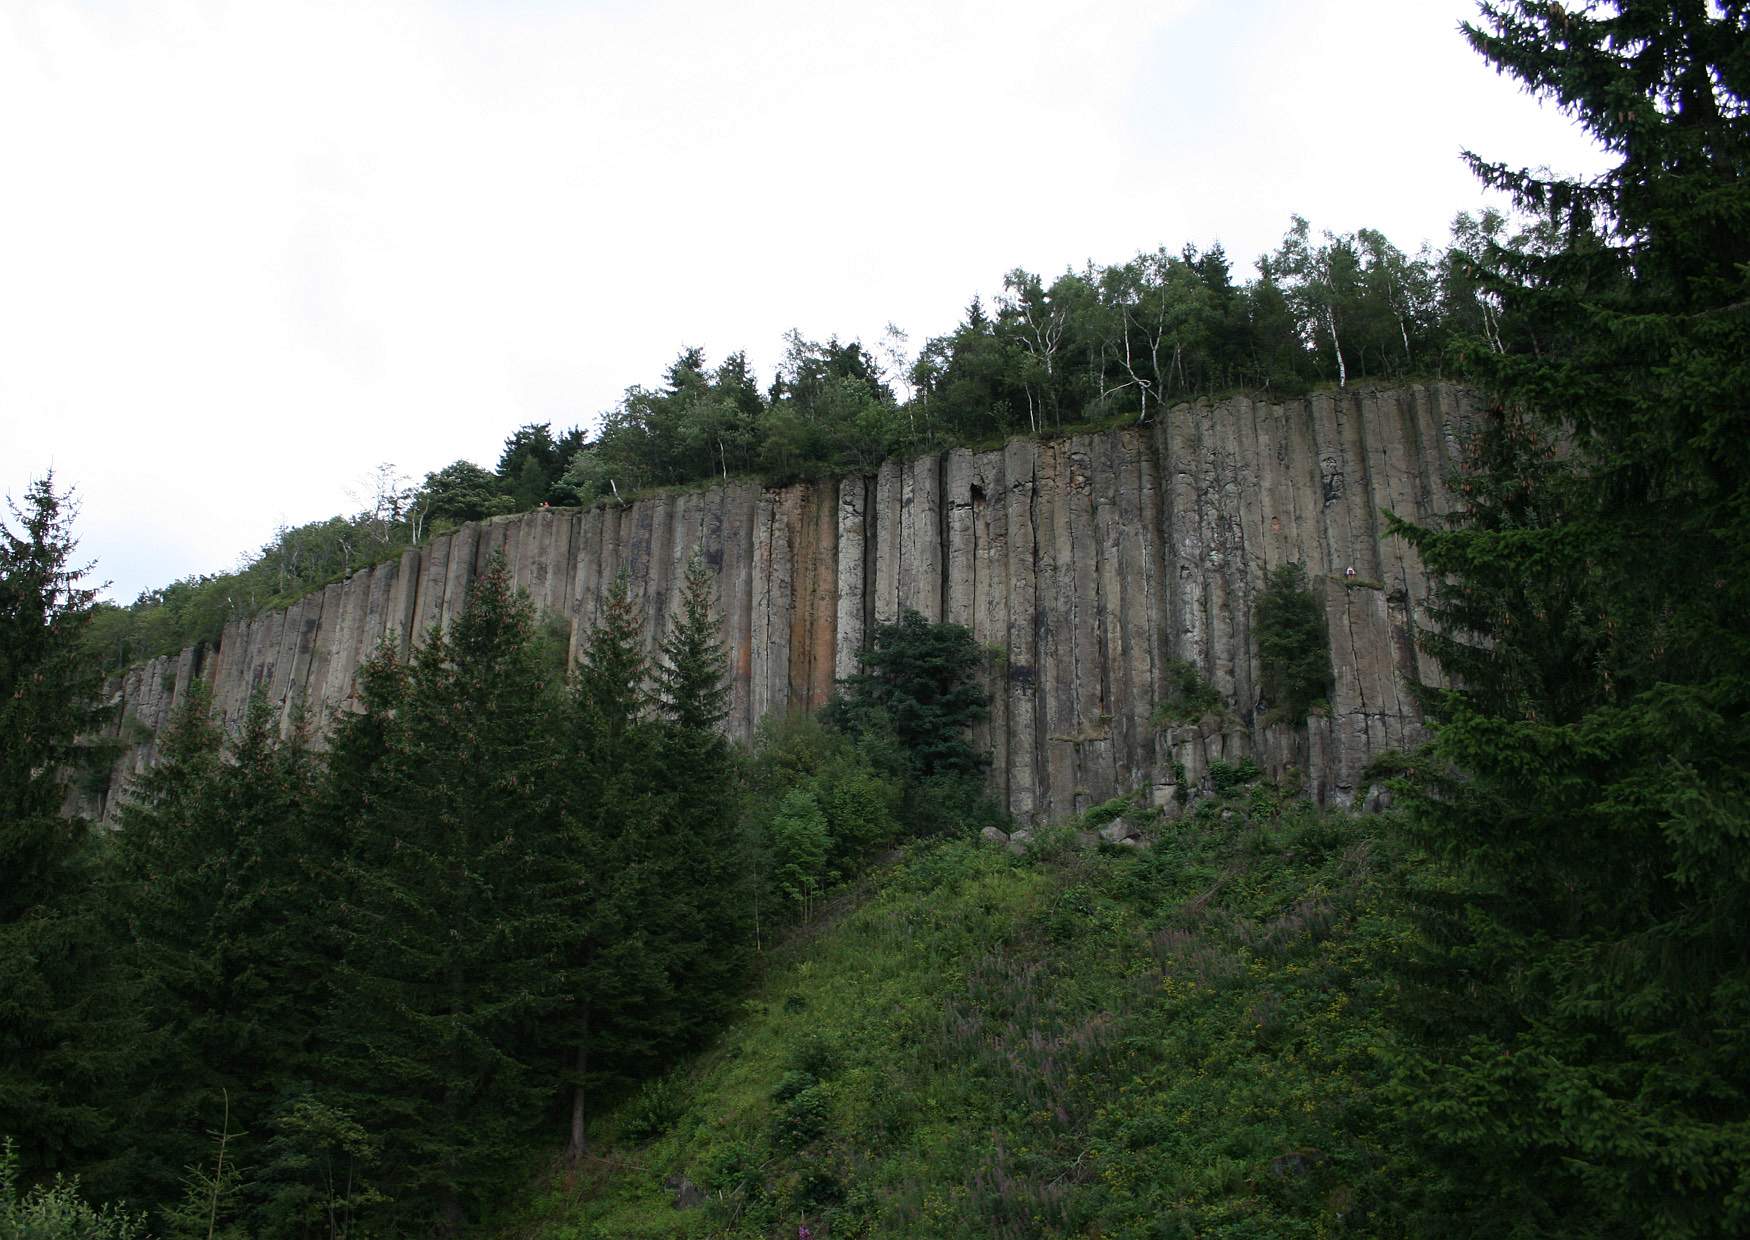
pixel 1082 564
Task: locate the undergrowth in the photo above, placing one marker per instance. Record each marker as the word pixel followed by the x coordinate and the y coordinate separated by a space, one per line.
pixel 1177 1041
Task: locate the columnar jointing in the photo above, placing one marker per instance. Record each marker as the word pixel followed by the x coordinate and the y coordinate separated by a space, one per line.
pixel 1082 565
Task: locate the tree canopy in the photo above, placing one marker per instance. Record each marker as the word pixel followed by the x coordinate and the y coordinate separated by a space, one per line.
pixel 1582 985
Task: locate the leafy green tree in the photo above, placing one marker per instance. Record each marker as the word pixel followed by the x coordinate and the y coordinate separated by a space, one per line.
pixel 1322 284
pixel 800 843
pixel 1583 992
pixel 56 1028
pixel 460 491
pixel 1294 644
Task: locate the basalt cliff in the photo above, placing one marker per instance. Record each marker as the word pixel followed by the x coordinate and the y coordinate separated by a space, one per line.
pixel 1083 564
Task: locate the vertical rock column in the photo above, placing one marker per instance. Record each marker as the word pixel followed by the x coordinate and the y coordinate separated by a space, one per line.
pixel 920 537
pixel 813 639
pixel 741 507
pixel 853 555
pixel 774 577
pixel 1025 619
pixel 888 521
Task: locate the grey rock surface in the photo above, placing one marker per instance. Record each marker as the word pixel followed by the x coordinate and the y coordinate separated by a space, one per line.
pixel 1082 565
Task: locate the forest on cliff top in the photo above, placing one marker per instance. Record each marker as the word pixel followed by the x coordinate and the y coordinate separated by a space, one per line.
pixel 534 952
pixel 1103 346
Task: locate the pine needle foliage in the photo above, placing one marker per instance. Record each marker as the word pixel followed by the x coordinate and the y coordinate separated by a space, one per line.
pixel 446 966
pixel 1582 988
pixel 921 680
pixel 51 953
pixel 1294 644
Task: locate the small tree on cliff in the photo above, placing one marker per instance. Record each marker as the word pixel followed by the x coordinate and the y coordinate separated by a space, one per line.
pixel 1294 645
pixel 922 677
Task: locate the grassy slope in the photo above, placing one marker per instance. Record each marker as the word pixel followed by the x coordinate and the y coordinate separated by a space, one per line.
pixel 1185 1041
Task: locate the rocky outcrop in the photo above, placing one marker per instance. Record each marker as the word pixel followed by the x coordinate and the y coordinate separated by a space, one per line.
pixel 1082 564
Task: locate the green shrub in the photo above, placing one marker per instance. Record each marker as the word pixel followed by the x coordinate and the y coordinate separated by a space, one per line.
pixel 1189 696
pixel 802 1113
pixel 1224 777
pixel 654 1110
pixel 1106 812
pixel 56 1211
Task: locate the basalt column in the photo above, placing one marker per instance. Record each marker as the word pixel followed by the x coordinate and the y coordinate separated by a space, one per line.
pixel 1084 566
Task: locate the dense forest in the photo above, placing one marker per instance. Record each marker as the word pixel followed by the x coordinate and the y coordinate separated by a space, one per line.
pixel 1089 348
pixel 531 950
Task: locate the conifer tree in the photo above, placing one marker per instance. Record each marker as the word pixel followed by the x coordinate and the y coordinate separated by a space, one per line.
pixel 210 856
pixel 616 813
pixel 923 679
pixel 709 936
pixel 58 1038
pixel 446 964
pixel 1294 645
pixel 1583 983
pixel 171 868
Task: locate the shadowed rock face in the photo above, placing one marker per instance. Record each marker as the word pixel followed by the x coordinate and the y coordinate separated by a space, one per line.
pixel 1084 564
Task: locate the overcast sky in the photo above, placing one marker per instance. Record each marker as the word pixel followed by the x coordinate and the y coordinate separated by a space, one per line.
pixel 248 251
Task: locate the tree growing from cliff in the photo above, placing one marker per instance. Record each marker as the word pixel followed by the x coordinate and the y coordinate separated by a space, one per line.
pixel 922 679
pixel 1584 990
pixel 1294 645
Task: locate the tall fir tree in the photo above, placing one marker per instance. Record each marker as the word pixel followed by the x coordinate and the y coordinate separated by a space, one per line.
pixel 211 884
pixel 607 872
pixel 59 1045
pixel 710 930
pixel 1583 985
pixel 445 964
pixel 171 867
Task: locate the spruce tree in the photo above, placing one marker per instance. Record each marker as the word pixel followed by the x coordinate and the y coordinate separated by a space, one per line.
pixel 710 931
pixel 1294 644
pixel 920 678
pixel 610 868
pixel 60 1047
pixel 211 884
pixel 172 866
pixel 446 967
pixel 1583 989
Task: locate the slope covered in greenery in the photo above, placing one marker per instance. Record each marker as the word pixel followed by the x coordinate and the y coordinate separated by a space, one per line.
pixel 1184 1040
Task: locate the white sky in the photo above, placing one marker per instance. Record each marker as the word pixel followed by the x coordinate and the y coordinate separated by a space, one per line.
pixel 247 251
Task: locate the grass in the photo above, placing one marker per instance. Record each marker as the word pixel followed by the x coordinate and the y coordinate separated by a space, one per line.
pixel 1185 1041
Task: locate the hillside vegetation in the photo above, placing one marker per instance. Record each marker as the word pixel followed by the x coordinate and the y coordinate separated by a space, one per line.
pixel 509 919
pixel 1187 1039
